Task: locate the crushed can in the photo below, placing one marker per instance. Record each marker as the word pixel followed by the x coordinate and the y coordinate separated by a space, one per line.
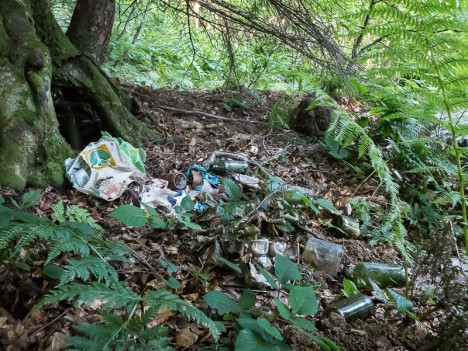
pixel 386 275
pixel 178 182
pixel 346 227
pixel 222 166
pixel 323 255
pixel 356 306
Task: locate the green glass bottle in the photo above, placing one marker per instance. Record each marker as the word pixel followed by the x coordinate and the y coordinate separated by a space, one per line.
pixel 356 306
pixel 386 275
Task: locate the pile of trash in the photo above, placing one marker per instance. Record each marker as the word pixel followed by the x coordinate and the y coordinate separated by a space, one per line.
pixel 236 206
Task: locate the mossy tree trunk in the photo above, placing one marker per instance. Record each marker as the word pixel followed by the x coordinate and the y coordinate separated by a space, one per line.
pixel 36 59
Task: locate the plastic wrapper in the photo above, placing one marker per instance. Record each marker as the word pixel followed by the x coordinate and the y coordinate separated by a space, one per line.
pixel 105 168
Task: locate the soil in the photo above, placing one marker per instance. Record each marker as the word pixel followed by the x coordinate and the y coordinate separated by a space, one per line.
pixel 191 131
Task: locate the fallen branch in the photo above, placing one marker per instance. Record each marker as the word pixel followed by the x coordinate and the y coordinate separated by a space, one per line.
pixel 210 115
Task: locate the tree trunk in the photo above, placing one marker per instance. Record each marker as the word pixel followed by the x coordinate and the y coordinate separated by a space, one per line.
pixel 38 65
pixel 91 27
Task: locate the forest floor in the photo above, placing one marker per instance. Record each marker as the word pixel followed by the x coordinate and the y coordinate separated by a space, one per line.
pixel 189 137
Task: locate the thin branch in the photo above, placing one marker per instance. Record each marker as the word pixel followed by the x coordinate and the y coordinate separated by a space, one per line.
pixel 210 115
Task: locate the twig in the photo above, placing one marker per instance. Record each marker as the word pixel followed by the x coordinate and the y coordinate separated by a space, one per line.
pixel 309 231
pixel 55 320
pixel 365 180
pixel 210 115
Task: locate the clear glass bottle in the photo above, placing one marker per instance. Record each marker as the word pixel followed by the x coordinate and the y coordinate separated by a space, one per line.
pixel 384 274
pixel 323 255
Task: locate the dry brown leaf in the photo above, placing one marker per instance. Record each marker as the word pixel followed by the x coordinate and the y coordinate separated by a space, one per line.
pixel 162 316
pixel 186 338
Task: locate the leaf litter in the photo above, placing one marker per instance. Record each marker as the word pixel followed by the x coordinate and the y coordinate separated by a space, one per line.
pixel 210 260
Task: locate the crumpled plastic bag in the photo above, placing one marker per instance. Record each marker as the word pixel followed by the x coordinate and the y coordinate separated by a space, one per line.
pixel 157 194
pixel 105 168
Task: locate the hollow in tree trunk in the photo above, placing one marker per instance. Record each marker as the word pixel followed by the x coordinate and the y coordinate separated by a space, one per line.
pixel 40 66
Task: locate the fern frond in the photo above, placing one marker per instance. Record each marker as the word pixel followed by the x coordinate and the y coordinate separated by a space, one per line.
pixel 114 296
pixel 87 265
pixel 59 211
pixel 164 299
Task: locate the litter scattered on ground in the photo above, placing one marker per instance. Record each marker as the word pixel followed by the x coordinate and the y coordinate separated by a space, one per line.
pixel 241 201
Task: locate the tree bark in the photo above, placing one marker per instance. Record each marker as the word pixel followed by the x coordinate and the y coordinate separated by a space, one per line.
pixel 38 61
pixel 91 27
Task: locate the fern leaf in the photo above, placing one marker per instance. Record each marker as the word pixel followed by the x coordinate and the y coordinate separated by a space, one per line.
pixel 164 299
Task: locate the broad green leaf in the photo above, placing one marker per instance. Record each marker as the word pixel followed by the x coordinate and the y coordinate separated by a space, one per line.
pixel 349 288
pixel 187 203
pixel 303 301
pixel 172 283
pixel 303 323
pixel 269 278
pixel 130 215
pixel 286 270
pixel 230 264
pixel 2 200
pixel 273 331
pixel 185 219
pixel 150 209
pixel 232 189
pixel 22 265
pixel 248 340
pixel 283 309
pixel 53 271
pixel 247 300
pixel 326 205
pixel 4 219
pixel 220 301
pixel 30 199
pixel 157 223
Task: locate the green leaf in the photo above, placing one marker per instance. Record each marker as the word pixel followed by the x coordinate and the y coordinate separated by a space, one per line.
pixel 184 218
pixel 303 301
pixel 286 270
pixel 230 264
pixel 303 323
pixel 271 330
pixel 157 223
pixel 22 265
pixel 2 200
pixel 171 267
pixel 269 278
pixel 5 219
pixel 30 199
pixel 53 271
pixel 325 343
pixel 349 288
pixel 130 215
pixel 326 205
pixel 172 283
pixel 232 189
pixel 402 304
pixel 248 340
pixel 334 146
pixel 247 300
pixel 220 301
pixel 283 309
pixel 187 203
